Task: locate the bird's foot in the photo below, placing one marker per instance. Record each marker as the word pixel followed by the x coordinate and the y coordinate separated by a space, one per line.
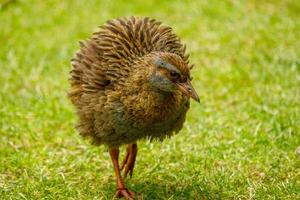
pixel 124 192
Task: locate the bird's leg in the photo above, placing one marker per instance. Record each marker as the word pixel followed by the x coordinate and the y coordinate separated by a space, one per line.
pixel 125 159
pixel 122 191
pixel 129 160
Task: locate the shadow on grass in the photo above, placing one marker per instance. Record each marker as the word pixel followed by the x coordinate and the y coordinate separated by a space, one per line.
pixel 154 189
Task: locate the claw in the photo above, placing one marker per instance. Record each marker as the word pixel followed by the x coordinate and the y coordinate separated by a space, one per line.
pixel 124 192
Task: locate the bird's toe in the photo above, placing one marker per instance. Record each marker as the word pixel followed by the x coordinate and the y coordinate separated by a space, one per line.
pixel 124 192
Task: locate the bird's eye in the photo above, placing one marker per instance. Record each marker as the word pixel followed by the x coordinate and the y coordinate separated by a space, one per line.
pixel 174 74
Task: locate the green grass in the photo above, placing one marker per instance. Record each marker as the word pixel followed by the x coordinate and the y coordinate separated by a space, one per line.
pixel 241 142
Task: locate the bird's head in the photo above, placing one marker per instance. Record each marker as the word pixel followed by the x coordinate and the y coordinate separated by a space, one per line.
pixel 170 73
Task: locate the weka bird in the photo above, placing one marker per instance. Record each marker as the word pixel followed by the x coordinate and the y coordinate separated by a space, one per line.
pixel 130 80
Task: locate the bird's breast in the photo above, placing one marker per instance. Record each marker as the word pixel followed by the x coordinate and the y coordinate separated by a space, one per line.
pixel 142 116
pixel 142 113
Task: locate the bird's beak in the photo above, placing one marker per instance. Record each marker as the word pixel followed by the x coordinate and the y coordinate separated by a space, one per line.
pixel 187 89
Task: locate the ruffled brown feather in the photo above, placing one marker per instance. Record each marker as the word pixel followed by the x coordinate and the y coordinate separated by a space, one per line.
pixel 114 102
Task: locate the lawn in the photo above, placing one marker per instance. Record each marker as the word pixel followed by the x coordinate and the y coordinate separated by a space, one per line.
pixel 241 142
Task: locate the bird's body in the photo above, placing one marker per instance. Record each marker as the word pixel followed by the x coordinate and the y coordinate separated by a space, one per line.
pixel 121 83
pixel 115 104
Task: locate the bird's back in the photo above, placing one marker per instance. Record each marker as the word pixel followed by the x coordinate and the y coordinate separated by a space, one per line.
pixel 106 59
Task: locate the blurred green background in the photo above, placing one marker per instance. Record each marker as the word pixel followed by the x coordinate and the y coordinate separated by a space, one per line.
pixel 241 142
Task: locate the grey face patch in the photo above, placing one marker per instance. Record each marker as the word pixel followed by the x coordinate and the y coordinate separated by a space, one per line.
pixel 163 64
pixel 161 83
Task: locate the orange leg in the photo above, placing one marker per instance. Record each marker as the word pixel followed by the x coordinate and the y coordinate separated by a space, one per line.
pixel 122 191
pixel 129 160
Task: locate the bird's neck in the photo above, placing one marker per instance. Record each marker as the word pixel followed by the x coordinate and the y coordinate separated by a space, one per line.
pixel 161 95
pixel 143 102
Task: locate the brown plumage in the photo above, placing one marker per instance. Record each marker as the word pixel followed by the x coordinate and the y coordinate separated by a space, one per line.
pixel 130 80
